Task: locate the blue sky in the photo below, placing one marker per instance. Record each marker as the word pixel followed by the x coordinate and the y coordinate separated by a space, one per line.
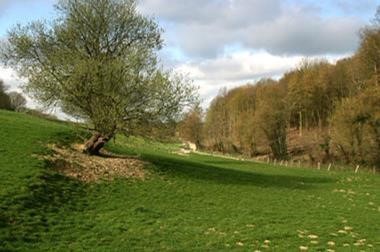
pixel 23 11
pixel 225 43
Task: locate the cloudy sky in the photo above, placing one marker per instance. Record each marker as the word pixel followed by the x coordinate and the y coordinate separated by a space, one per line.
pixel 224 43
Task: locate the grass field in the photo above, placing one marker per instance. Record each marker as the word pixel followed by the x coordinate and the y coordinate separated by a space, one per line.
pixel 188 203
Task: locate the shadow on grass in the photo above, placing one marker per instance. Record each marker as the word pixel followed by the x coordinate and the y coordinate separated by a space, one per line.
pixel 26 217
pixel 215 174
pixel 227 162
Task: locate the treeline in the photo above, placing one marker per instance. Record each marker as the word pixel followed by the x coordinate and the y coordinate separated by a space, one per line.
pixel 320 111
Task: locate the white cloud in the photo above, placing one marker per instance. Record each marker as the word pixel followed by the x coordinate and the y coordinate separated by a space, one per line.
pixel 238 68
pixel 15 83
pixel 204 28
pixel 10 78
pixel 270 37
pixel 231 12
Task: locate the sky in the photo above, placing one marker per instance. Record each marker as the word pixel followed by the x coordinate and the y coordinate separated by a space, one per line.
pixel 226 43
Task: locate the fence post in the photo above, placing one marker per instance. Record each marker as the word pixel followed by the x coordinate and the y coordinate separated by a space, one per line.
pixel 319 165
pixel 328 169
pixel 357 168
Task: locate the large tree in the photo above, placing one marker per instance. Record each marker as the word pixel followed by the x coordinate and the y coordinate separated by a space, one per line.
pixel 98 61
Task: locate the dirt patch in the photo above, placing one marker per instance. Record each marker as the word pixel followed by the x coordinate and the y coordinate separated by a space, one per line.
pixel 72 162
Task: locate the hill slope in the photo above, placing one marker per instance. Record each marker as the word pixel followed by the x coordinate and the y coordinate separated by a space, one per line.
pixel 188 203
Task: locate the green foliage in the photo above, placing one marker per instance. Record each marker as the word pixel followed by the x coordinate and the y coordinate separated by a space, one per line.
pixel 98 61
pixel 197 202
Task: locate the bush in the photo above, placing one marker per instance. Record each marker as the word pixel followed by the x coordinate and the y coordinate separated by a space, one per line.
pixel 5 102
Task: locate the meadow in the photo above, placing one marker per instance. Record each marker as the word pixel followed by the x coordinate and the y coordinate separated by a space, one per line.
pixel 187 203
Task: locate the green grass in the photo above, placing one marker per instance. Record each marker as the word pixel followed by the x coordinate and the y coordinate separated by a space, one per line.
pixel 198 202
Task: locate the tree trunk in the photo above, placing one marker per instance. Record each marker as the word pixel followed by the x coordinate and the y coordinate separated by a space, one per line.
pixel 96 143
pixel 300 123
pixel 376 76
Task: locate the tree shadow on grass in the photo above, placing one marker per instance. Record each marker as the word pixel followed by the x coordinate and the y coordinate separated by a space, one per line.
pixel 228 162
pixel 26 217
pixel 215 174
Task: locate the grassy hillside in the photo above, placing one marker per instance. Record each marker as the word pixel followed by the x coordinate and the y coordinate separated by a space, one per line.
pixel 188 203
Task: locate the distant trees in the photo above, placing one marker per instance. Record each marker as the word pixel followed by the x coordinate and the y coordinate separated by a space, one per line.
pixel 216 124
pixel 17 100
pixel 369 51
pixel 12 100
pixel 335 108
pixel 98 61
pixel 242 106
pixel 369 56
pixel 190 127
pixel 356 120
pixel 356 127
pixel 227 126
pixel 310 95
pixel 244 118
pixel 5 102
pixel 271 117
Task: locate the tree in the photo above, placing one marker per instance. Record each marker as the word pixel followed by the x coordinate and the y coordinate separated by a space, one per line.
pixel 5 102
pixel 190 128
pixel 216 123
pixel 240 105
pixel 17 100
pixel 98 61
pixel 343 78
pixel 310 94
pixel 368 54
pixel 271 117
pixel 356 127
